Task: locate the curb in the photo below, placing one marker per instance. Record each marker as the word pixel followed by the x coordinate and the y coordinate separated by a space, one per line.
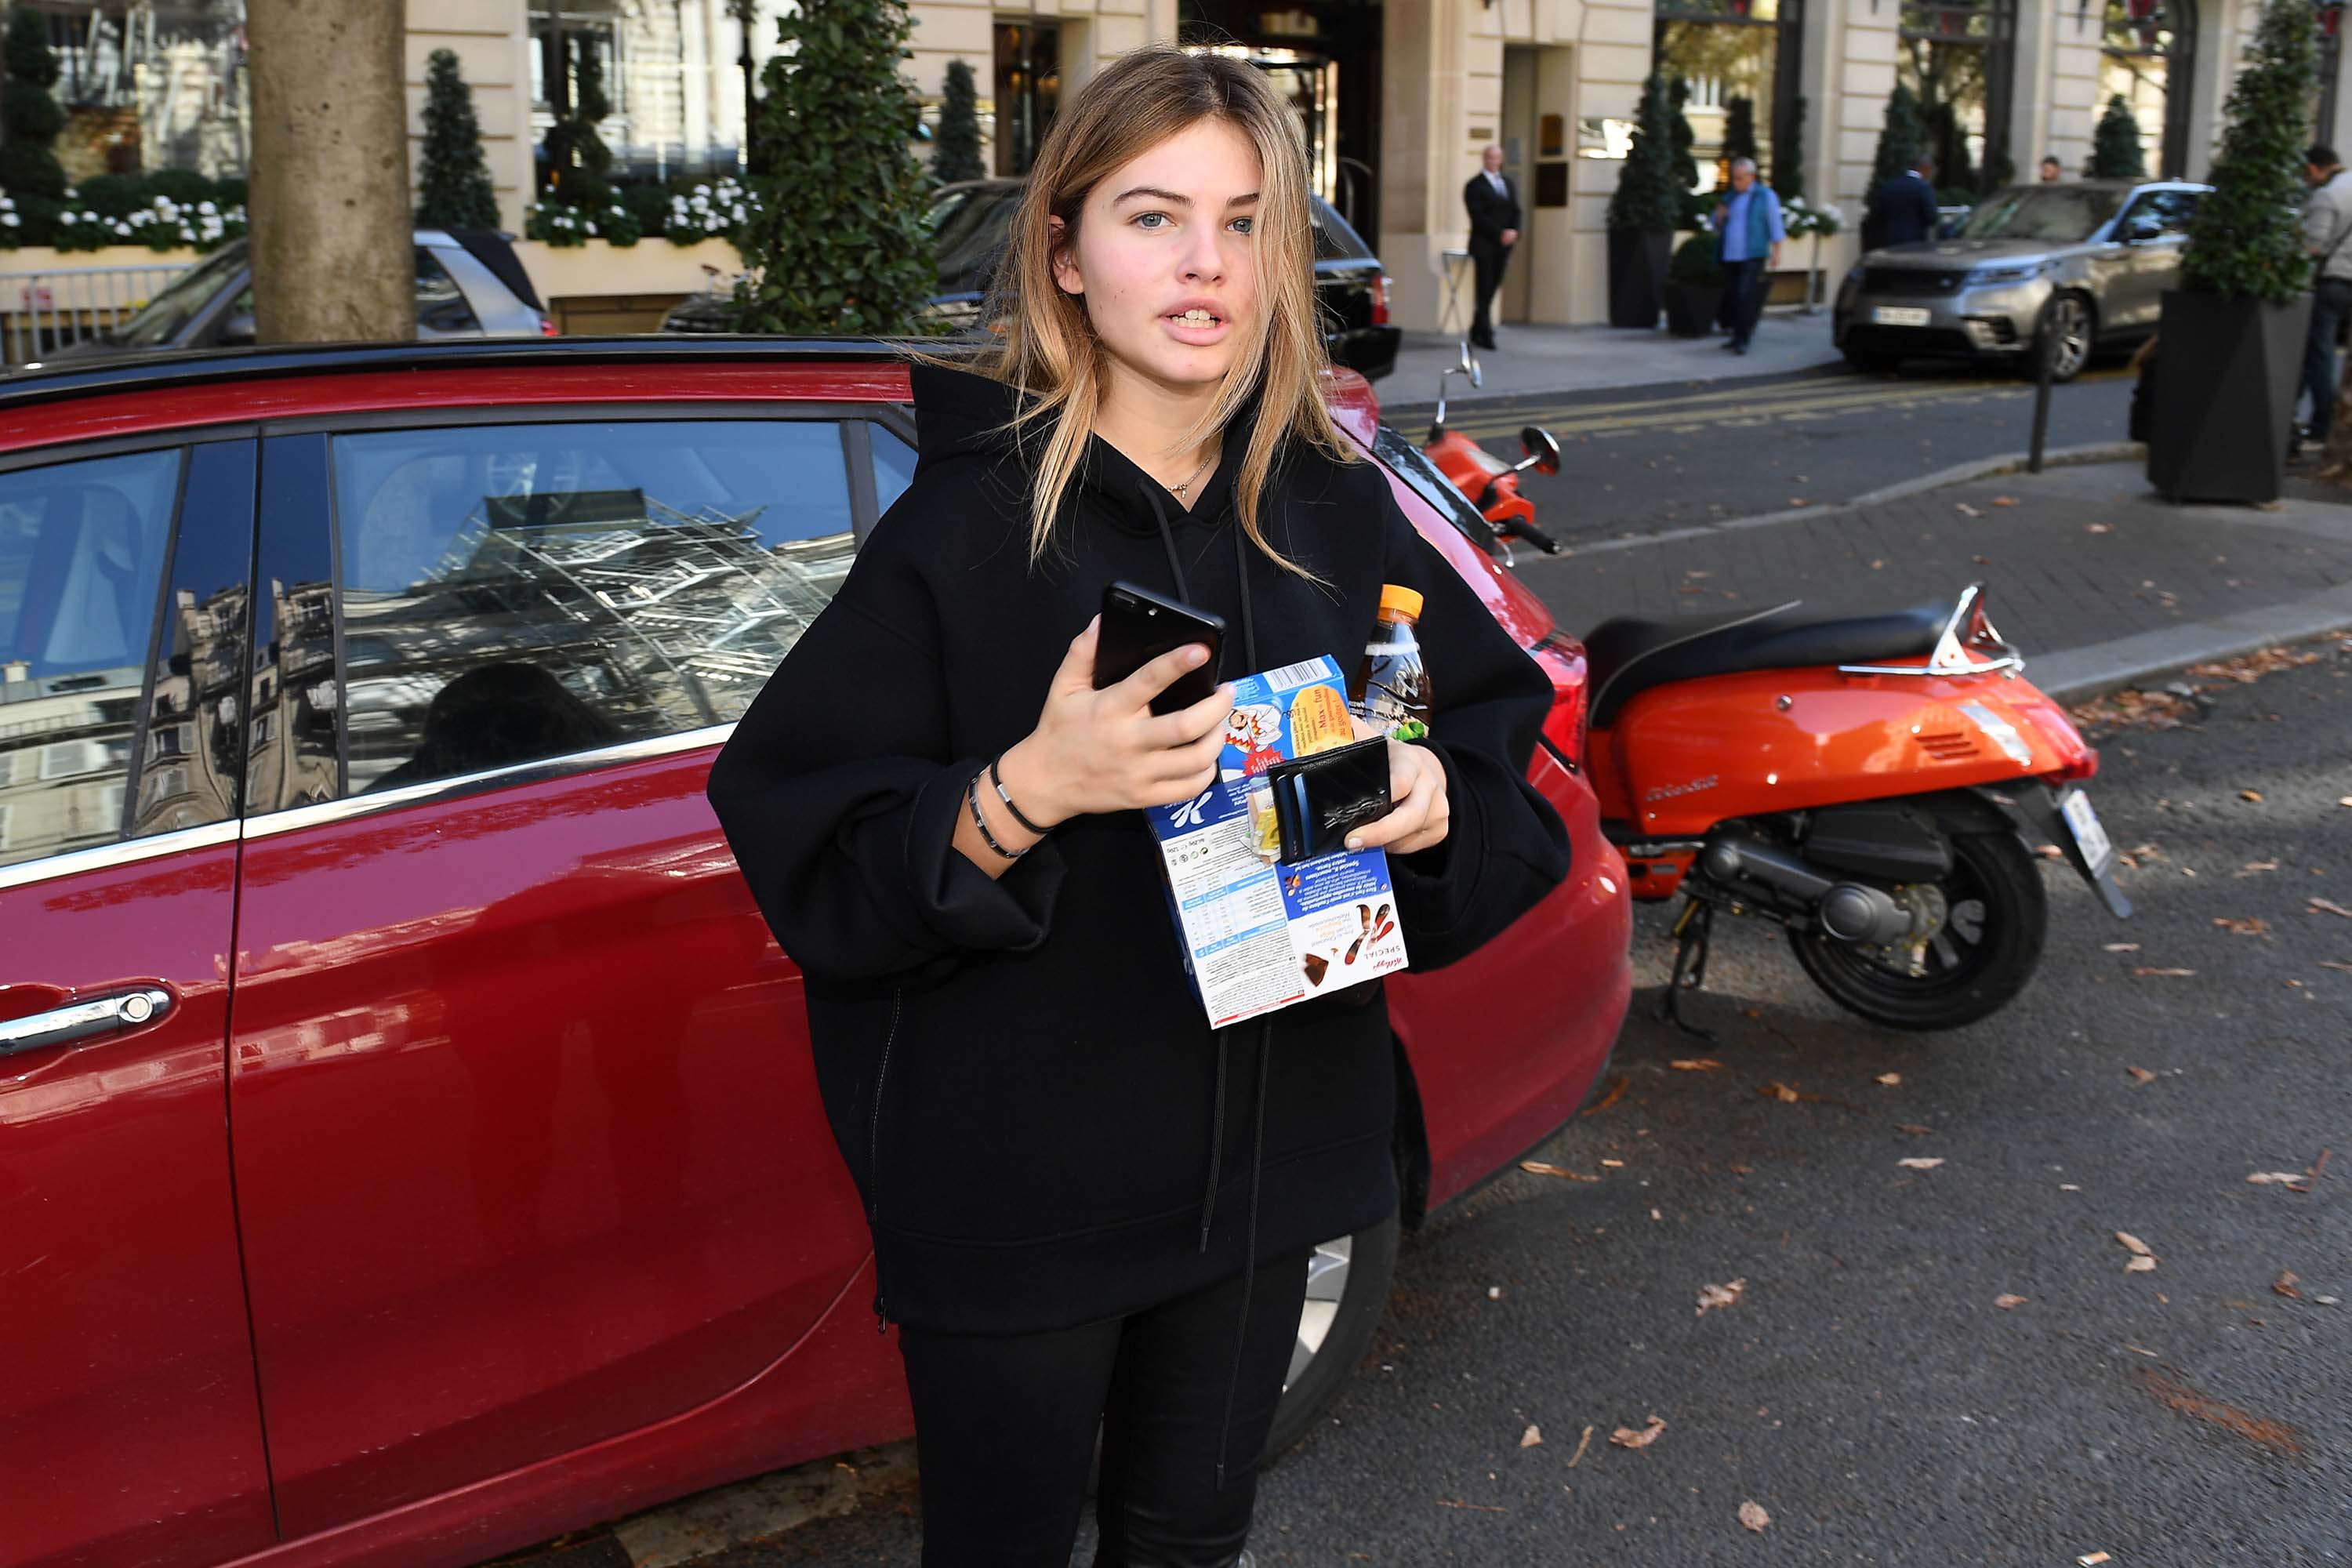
pixel 2007 463
pixel 2079 674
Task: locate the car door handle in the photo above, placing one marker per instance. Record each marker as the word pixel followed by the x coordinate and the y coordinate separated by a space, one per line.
pixel 80 1020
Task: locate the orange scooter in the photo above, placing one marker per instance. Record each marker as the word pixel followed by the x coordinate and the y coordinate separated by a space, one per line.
pixel 1877 783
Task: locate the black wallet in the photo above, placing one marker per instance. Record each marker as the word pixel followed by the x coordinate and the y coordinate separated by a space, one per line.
pixel 1319 800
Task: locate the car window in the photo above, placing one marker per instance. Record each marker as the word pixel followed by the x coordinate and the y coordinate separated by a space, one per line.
pixel 894 466
pixel 440 305
pixel 1335 238
pixel 1392 446
pixel 967 235
pixel 2171 209
pixel 182 299
pixel 82 547
pixel 511 592
pixel 2064 214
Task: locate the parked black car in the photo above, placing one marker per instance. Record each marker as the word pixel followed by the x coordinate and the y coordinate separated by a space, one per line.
pixel 968 225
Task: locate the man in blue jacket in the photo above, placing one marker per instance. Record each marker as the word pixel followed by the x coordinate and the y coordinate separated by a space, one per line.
pixel 1903 209
pixel 1748 231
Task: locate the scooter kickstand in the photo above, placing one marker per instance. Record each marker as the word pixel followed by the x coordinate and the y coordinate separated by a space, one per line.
pixel 1693 928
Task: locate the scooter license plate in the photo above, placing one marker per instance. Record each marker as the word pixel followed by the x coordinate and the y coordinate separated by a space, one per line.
pixel 2090 837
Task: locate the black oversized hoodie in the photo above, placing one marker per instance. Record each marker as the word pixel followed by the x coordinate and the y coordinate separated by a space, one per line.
pixel 1045 1129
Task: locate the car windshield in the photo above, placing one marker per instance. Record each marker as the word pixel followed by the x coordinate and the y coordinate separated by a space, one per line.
pixel 968 229
pixel 1334 239
pixel 2070 214
pixel 190 292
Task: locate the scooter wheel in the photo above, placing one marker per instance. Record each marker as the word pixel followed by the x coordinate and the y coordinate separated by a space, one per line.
pixel 1998 915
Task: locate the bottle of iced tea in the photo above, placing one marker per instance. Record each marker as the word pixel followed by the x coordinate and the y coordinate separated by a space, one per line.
pixel 1391 690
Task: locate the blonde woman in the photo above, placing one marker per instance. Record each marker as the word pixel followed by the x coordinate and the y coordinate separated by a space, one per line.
pixel 1089 1209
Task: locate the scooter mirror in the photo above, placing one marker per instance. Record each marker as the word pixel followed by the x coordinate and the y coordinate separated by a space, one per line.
pixel 1541 445
pixel 1469 365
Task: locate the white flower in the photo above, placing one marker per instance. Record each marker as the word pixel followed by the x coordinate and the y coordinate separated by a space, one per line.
pixel 206 209
pixel 89 218
pixel 591 231
pixel 8 219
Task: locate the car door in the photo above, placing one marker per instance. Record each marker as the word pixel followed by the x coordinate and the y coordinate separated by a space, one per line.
pixel 2146 260
pixel 528 1149
pixel 129 1432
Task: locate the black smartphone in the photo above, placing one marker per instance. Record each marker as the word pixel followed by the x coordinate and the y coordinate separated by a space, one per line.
pixel 1139 625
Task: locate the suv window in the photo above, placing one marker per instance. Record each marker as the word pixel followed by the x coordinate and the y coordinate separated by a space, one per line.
pixel 513 592
pixel 81 569
pixel 2171 209
pixel 440 304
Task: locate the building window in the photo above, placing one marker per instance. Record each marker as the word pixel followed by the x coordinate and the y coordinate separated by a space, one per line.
pixel 1958 55
pixel 2331 67
pixel 1028 89
pixel 1727 49
pixel 2146 46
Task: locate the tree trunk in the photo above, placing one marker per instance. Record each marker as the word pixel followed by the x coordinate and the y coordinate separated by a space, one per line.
pixel 332 258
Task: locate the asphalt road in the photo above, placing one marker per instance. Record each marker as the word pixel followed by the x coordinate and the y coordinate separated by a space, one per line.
pixel 1867 1389
pixel 1637 460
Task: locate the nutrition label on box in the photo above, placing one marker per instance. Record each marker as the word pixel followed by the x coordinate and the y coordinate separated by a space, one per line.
pixel 1260 935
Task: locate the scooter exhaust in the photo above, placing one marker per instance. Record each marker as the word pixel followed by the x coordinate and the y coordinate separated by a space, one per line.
pixel 1850 912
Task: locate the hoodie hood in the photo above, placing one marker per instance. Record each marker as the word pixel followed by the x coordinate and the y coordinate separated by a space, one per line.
pixel 962 415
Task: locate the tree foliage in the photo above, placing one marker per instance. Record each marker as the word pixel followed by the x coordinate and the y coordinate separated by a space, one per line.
pixel 2246 241
pixel 956 154
pixel 454 188
pixel 1648 196
pixel 2116 150
pixel 574 146
pixel 836 243
pixel 29 123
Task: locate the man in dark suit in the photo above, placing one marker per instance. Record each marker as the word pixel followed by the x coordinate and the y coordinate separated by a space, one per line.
pixel 1494 204
pixel 1903 208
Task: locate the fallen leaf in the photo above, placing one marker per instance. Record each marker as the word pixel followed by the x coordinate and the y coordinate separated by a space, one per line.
pixel 1696 1064
pixel 1920 1163
pixel 2252 794
pixel 2123 947
pixel 1532 1437
pixel 1539 1168
pixel 2141 1350
pixel 1799 500
pixel 2256 868
pixel 2093 1560
pixel 2329 907
pixel 2164 972
pixel 2005 1302
pixel 1696 573
pixel 2331 963
pixel 1616 1088
pixel 2252 926
pixel 2141 1075
pixel 1753 1516
pixel 2098 528
pixel 2140 1266
pixel 1480 1506
pixel 1615 1164
pixel 1580 1445
pixel 1913 1128
pixel 2344 800
pixel 1719 1296
pixel 1965 510
pixel 1627 1437
pixel 1890 1078
pixel 2004 500
pixel 1981 560
pixel 2133 1245
pixel 2275 1179
pixel 2286 1285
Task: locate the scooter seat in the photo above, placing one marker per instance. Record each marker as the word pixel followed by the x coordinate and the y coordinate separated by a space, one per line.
pixel 1625 654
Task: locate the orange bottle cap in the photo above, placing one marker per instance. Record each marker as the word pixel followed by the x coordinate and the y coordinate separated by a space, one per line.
pixel 1395 596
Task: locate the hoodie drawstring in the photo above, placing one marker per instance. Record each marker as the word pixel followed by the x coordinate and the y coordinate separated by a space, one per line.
pixel 1151 495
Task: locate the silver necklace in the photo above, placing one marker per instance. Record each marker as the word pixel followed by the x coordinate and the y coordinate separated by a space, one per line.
pixel 1182 490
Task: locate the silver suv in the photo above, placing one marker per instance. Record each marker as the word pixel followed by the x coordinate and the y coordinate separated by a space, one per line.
pixel 2107 250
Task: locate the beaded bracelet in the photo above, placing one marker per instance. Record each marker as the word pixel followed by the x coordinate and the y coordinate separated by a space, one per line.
pixel 972 798
pixel 1006 796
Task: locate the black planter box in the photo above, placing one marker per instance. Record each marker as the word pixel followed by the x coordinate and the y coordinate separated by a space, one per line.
pixel 1637 275
pixel 2222 400
pixel 1691 308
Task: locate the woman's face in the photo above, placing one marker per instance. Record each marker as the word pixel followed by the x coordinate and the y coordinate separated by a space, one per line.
pixel 1162 240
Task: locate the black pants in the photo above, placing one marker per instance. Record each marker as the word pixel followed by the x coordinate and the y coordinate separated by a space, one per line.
pixel 1489 259
pixel 2329 300
pixel 1004 1430
pixel 1743 288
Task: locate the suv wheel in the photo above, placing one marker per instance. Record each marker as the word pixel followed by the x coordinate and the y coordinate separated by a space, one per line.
pixel 2071 325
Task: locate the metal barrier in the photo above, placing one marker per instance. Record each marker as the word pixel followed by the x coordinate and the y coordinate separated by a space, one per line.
pixel 41 313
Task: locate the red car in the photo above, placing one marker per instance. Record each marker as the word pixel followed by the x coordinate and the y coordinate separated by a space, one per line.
pixel 408 1142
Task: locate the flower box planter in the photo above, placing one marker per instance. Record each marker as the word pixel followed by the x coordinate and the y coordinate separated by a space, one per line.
pixel 2223 397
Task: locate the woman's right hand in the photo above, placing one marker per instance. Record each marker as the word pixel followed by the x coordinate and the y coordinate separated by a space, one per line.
pixel 1106 750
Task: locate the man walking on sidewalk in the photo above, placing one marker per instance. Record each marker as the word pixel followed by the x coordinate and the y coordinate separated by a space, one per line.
pixel 1748 231
pixel 1494 206
pixel 1903 208
pixel 2326 224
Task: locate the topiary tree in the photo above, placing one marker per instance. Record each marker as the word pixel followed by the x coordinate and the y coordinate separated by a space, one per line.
pixel 1739 126
pixel 573 145
pixel 455 189
pixel 1901 139
pixel 2116 150
pixel 836 242
pixel 1685 139
pixel 29 123
pixel 956 154
pixel 1648 196
pixel 1789 159
pixel 2245 241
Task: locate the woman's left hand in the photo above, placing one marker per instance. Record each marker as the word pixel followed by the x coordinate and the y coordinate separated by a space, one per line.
pixel 1418 812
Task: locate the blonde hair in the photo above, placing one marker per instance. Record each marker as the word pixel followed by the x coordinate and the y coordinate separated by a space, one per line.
pixel 1046 346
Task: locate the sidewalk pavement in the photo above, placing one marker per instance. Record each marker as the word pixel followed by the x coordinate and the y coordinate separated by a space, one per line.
pixel 2097 580
pixel 1534 361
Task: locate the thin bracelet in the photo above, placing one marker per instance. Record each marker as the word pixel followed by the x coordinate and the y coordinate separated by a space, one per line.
pixel 1006 796
pixel 972 798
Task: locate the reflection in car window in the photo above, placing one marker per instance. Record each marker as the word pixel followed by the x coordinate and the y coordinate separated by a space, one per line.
pixel 440 306
pixel 1334 239
pixel 894 466
pixel 81 569
pixel 517 591
pixel 1390 446
pixel 967 232
pixel 2171 209
pixel 182 298
pixel 2065 213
